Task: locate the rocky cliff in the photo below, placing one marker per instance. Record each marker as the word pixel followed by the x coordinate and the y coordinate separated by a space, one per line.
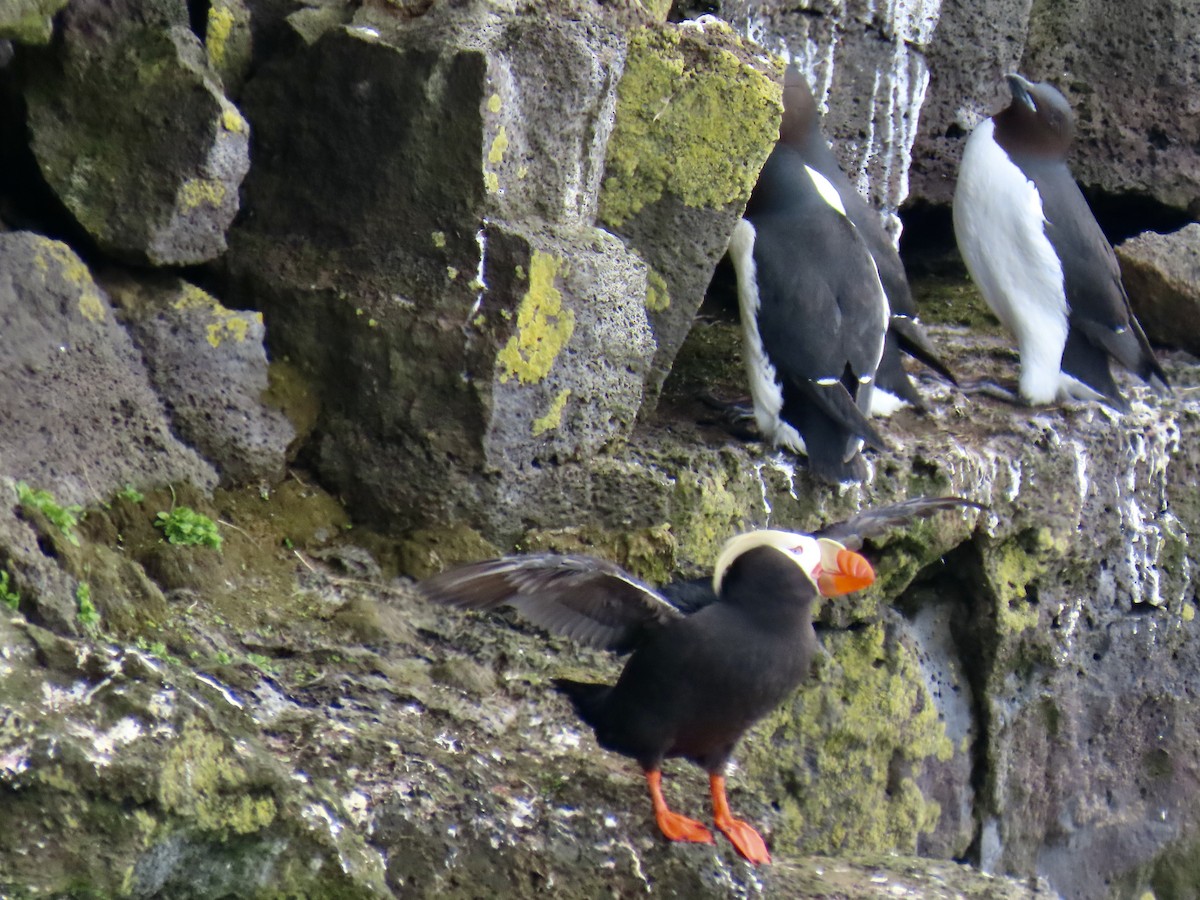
pixel 306 300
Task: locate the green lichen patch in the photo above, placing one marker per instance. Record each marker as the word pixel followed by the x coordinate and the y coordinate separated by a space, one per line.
pixel 952 299
pixel 658 297
pixel 544 325
pixel 203 780
pixel 428 551
pixel 675 101
pixel 1012 568
pixel 841 760
pixel 717 504
pixel 29 21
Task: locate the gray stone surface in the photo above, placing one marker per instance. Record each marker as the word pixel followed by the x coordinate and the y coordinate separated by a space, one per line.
pixel 867 65
pixel 378 232
pixel 29 21
pixel 79 417
pixel 133 134
pixel 1127 72
pixel 975 45
pixel 209 367
pixel 1162 276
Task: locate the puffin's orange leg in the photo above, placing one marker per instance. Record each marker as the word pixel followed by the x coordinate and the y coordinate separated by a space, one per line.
pixel 742 835
pixel 674 826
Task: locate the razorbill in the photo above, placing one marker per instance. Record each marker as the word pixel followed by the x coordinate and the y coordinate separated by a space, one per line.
pixel 801 130
pixel 814 315
pixel 1038 257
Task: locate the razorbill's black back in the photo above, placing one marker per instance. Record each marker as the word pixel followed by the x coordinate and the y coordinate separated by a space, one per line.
pixel 1040 260
pixel 814 316
pixel 801 130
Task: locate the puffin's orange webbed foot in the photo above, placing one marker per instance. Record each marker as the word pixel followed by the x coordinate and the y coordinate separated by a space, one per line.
pixel 745 839
pixel 678 827
pixel 673 825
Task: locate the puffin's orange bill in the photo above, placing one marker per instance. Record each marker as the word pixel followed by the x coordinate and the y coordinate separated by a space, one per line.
pixel 853 573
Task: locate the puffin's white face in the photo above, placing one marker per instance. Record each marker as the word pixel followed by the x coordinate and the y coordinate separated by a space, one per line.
pixel 833 569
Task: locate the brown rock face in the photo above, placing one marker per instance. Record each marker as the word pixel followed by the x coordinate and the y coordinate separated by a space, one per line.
pixel 1162 276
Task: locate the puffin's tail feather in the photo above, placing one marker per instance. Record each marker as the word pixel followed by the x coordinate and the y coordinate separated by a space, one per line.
pixel 587 698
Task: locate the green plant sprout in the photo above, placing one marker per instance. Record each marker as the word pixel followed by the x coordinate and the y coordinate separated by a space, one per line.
pixel 64 518
pixel 8 595
pixel 187 528
pixel 132 494
pixel 88 615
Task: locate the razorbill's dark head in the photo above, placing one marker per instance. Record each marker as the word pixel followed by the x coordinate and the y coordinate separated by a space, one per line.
pixel 1038 122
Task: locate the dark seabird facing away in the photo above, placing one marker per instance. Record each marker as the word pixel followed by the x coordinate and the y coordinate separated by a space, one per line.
pixel 801 130
pixel 814 316
pixel 1040 259
pixel 697 679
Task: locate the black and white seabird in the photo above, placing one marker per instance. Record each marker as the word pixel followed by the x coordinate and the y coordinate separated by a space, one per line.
pixel 814 316
pixel 1038 256
pixel 695 682
pixel 705 666
pixel 801 130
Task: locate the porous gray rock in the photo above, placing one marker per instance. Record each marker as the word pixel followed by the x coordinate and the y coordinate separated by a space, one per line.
pixel 92 731
pixel 975 45
pixel 79 417
pixel 29 21
pixel 208 365
pixel 391 233
pixel 868 67
pixel 133 134
pixel 1129 82
pixel 1162 276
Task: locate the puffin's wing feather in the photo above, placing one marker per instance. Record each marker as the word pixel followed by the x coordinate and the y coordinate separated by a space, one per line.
pixel 586 599
pixel 872 523
pixel 690 595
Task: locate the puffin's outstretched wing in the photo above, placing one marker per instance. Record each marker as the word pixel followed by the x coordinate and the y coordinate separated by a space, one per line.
pixel 588 600
pixel 871 523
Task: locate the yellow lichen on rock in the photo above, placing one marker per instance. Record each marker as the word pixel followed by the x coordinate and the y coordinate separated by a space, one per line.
pixel 675 102
pixel 226 324
pixel 232 120
pixel 544 326
pixel 499 147
pixel 196 192
pixel 553 417
pixel 658 297
pixel 57 255
pixel 220 27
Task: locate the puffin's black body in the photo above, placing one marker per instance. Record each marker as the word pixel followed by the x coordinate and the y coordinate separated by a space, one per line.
pixel 694 687
pixel 814 317
pixel 702 670
pixel 801 130
pixel 1040 259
